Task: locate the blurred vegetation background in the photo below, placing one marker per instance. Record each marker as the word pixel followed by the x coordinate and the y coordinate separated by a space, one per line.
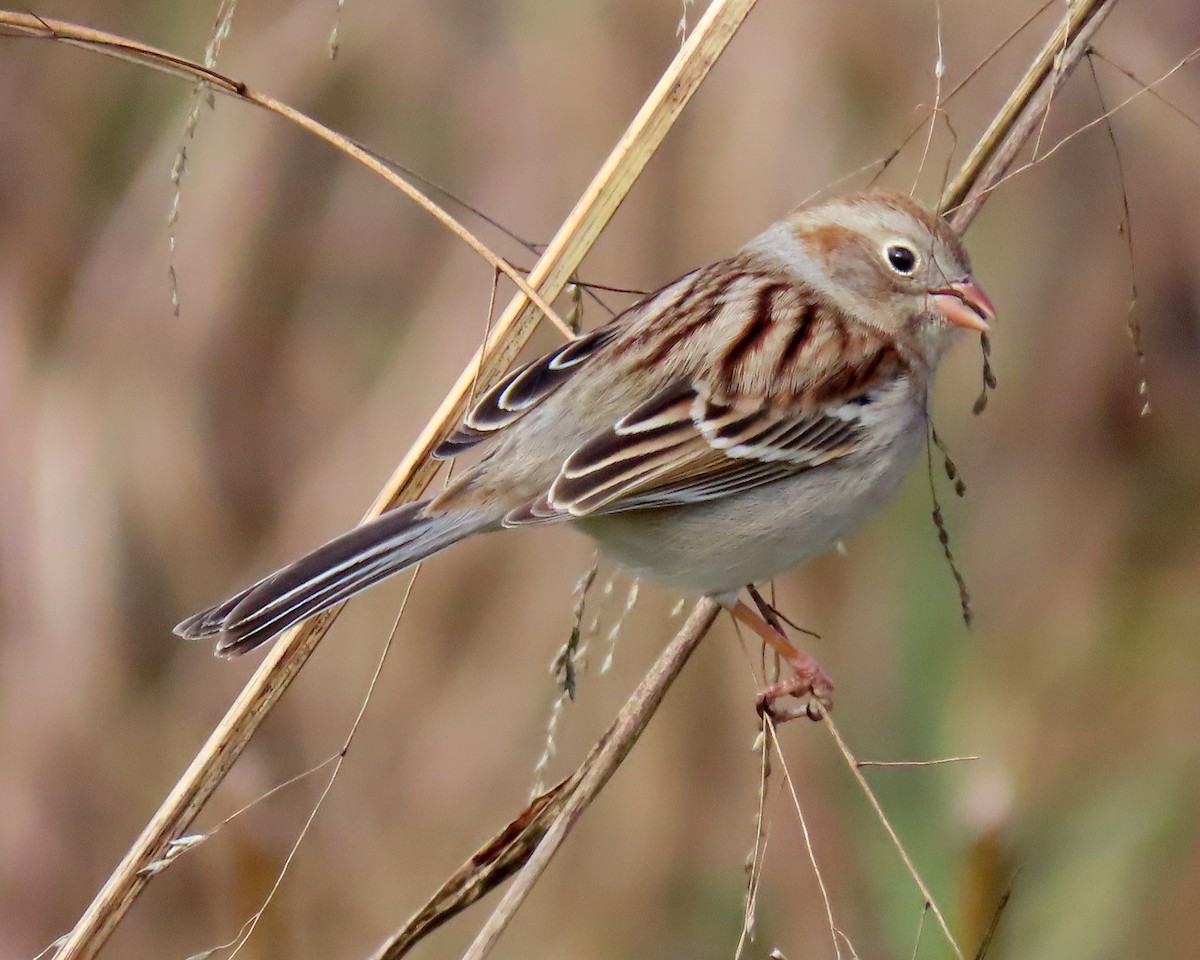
pixel 150 464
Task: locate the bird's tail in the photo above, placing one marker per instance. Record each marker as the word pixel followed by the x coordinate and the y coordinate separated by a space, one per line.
pixel 330 574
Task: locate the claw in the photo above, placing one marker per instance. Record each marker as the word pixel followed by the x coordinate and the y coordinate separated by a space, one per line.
pixel 808 683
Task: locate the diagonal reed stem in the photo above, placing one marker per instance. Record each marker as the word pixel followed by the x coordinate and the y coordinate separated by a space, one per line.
pixel 987 163
pixel 983 169
pixel 550 274
pixel 603 761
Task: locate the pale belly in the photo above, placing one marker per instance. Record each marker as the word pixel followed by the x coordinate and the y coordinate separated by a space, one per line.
pixel 719 546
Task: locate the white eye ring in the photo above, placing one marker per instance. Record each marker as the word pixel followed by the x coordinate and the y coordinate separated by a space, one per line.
pixel 902 258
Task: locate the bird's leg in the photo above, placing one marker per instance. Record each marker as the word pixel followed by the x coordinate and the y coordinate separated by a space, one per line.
pixel 773 615
pixel 808 681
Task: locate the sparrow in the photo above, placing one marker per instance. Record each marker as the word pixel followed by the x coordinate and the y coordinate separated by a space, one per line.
pixel 722 430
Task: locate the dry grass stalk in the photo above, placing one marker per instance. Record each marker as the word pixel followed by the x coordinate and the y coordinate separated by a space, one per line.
pixel 487 868
pixel 528 841
pixel 39 28
pixel 601 763
pixel 548 277
pixel 985 166
pixel 1026 108
pixel 983 169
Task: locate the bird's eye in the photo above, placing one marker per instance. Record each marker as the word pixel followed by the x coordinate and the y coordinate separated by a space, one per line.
pixel 901 258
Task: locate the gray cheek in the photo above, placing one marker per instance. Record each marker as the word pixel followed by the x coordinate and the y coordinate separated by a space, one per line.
pixel 946 268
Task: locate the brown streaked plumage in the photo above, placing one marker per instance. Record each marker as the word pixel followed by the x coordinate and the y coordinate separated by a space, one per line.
pixel 728 426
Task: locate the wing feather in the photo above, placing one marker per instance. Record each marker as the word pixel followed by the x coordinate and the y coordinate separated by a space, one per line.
pixel 766 379
pixel 521 390
pixel 692 449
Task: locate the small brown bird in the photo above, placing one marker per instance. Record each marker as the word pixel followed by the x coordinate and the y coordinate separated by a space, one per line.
pixel 724 429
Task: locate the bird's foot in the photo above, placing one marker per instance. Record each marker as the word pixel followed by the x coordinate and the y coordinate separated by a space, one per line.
pixel 809 683
pixel 809 686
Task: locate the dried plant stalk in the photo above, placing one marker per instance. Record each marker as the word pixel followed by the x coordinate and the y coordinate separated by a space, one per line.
pixel 601 763
pixel 1004 137
pixel 40 28
pixel 534 836
pixel 548 277
pixel 487 868
pixel 984 168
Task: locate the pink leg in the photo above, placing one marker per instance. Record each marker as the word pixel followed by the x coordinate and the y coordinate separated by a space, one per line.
pixel 808 681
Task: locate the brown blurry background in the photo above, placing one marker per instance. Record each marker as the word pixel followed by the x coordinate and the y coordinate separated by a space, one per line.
pixel 151 464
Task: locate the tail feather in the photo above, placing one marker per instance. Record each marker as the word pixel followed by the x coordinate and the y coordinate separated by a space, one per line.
pixel 207 623
pixel 330 574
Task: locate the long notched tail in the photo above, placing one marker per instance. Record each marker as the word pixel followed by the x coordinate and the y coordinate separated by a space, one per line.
pixel 330 574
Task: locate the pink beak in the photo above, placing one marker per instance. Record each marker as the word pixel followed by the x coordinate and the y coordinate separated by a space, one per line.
pixel 965 305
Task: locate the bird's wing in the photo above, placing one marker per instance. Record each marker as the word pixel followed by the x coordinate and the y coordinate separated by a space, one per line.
pixel 764 378
pixel 685 447
pixel 522 389
pixel 766 408
pixel 525 387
